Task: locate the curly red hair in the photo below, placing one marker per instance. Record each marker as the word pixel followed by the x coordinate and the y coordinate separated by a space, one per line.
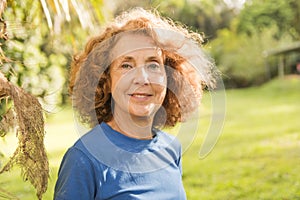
pixel 188 69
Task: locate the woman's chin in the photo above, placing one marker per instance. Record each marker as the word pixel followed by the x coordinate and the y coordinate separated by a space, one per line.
pixel 143 111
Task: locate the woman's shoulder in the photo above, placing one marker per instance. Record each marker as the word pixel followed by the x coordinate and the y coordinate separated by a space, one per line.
pixel 81 146
pixel 167 139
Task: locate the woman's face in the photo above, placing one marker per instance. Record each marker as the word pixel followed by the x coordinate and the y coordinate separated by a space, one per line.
pixel 138 77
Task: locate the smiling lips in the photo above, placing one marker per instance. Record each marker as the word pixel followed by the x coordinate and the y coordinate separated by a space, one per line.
pixel 140 96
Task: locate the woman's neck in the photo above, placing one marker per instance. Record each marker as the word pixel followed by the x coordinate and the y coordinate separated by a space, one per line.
pixel 135 127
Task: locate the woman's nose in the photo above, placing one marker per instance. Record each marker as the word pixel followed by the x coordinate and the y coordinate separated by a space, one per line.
pixel 141 76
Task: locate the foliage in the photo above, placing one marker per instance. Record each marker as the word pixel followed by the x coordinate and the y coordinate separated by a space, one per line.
pixel 31 64
pixel 7 116
pixel 260 26
pixel 260 14
pixel 34 56
pixel 240 56
pixel 39 55
pixel 201 16
pixel 26 114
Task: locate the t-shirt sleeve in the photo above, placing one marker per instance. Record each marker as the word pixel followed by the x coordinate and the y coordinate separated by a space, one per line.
pixel 75 177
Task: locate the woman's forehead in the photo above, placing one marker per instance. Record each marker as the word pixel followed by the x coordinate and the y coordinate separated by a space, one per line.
pixel 129 44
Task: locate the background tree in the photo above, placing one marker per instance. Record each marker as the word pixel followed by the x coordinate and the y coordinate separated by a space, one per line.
pixel 42 39
pixel 258 15
pixel 261 25
pixel 21 109
pixel 37 39
pixel 201 16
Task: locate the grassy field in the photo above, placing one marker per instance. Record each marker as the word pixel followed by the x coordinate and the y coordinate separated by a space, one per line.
pixel 256 157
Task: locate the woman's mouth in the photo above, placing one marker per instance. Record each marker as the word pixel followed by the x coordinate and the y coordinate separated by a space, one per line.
pixel 140 95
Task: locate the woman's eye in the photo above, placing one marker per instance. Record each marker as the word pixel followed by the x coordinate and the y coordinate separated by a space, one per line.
pixel 154 66
pixel 126 66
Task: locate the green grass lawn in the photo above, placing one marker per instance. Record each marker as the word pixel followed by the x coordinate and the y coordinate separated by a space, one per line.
pixel 256 157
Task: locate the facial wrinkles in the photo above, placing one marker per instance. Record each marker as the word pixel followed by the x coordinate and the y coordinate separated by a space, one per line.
pixel 138 79
pixel 140 67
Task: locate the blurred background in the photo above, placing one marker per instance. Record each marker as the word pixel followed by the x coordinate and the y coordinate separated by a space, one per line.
pixel 256 46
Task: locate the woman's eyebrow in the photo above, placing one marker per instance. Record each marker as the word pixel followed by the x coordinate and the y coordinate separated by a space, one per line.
pixel 127 58
pixel 153 58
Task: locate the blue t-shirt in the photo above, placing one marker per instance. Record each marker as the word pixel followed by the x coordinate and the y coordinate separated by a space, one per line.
pixel 105 164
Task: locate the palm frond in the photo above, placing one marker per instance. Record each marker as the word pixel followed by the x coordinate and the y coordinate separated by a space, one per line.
pixel 47 13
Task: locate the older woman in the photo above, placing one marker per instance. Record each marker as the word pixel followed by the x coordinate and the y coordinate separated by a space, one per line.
pixel 136 77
